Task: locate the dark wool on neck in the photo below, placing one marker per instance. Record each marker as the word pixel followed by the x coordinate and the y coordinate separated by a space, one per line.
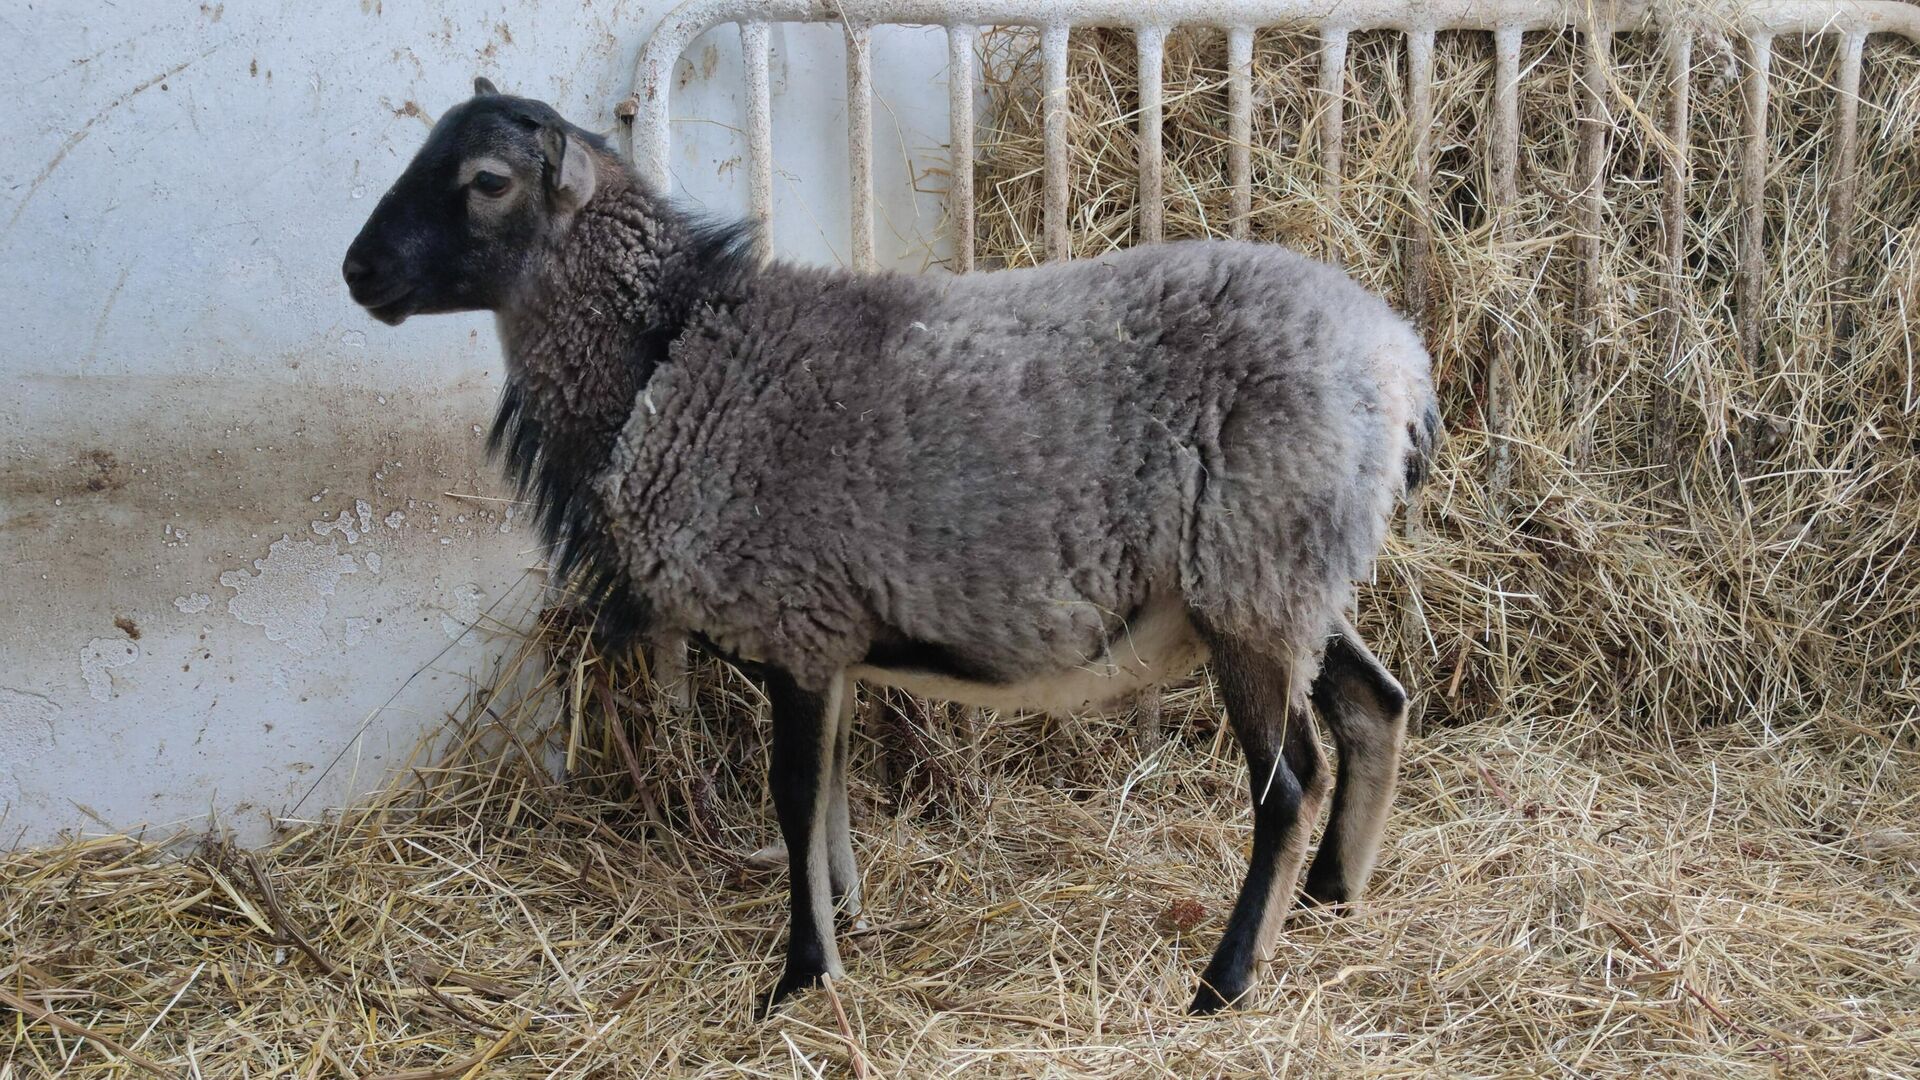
pixel 606 307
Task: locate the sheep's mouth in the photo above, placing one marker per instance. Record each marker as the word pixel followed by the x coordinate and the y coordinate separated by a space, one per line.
pixel 391 309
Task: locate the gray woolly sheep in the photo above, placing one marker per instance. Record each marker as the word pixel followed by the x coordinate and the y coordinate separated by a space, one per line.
pixel 1038 488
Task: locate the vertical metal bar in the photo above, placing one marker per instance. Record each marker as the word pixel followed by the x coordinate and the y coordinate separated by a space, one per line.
pixel 1420 117
pixel 1333 89
pixel 652 138
pixel 1505 157
pixel 860 141
pixel 960 43
pixel 753 46
pixel 1149 724
pixel 1678 46
pixel 1750 285
pixel 1240 127
pixel 1847 153
pixel 1152 41
pixel 669 668
pixel 969 729
pixel 1053 48
pixel 1673 184
pixel 1506 117
pixel 1594 121
pixel 1590 211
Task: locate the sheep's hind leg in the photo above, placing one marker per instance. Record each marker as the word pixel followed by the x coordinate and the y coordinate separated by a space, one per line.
pixel 801 776
pixel 1367 710
pixel 1289 780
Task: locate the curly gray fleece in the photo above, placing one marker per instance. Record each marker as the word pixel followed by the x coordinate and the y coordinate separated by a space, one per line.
pixel 1005 465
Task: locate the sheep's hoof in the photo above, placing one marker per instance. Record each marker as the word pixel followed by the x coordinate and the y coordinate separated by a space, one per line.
pixel 1209 999
pixel 771 857
pixel 790 984
pixel 846 896
pixel 1326 896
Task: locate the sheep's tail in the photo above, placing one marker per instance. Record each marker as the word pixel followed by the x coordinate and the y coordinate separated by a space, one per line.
pixel 1427 434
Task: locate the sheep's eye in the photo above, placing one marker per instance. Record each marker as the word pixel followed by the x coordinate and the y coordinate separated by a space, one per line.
pixel 492 184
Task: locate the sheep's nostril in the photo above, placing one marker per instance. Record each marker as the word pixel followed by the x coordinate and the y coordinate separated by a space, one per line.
pixel 356 272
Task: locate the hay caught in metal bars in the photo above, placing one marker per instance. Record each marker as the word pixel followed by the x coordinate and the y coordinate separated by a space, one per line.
pixel 1661 820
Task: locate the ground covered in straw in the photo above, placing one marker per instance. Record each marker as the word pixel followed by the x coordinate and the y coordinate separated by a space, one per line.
pixel 1554 897
pixel 1659 610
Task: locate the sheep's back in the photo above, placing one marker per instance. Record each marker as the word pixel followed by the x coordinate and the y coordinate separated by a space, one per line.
pixel 1014 462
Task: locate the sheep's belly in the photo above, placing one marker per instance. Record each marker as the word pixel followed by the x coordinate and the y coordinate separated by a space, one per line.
pixel 1160 645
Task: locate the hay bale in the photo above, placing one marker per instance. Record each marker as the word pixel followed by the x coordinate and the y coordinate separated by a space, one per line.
pixel 1733 546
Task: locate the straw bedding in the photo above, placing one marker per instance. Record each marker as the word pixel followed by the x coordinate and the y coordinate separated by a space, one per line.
pixel 1661 817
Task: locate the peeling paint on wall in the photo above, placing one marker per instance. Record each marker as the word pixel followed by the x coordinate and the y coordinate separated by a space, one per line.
pixel 100 656
pixel 287 598
pixel 26 728
pixel 194 604
pixel 462 610
pixel 343 525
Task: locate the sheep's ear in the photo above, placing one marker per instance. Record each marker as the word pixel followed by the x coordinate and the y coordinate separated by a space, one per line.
pixel 570 164
pixel 484 85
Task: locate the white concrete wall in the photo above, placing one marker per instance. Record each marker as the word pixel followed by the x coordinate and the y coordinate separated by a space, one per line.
pixel 237 516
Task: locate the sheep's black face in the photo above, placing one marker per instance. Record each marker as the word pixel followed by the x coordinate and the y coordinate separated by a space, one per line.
pixel 498 181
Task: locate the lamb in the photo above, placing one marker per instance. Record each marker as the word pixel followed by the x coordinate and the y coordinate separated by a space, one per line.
pixel 1038 488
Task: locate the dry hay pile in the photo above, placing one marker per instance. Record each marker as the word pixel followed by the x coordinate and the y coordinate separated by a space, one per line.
pixel 1735 543
pixel 1661 819
pixel 1729 907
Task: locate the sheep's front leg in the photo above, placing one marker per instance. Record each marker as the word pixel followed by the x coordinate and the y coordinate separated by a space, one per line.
pixel 801 776
pixel 841 869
